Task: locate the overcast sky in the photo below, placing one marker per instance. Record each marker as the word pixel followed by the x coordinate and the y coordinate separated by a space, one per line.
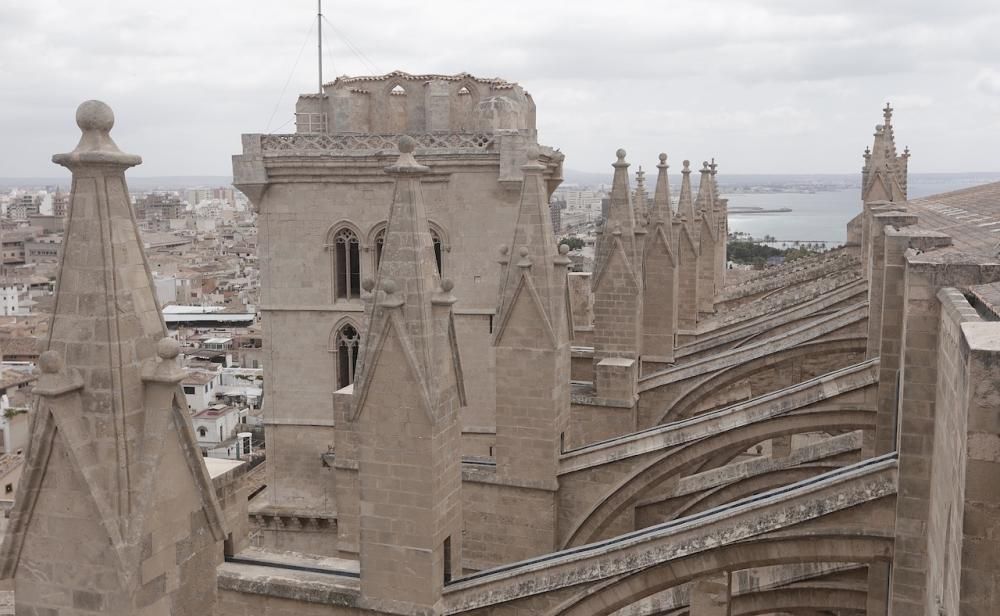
pixel 765 86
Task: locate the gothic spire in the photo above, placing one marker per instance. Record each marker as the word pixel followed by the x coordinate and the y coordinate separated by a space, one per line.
pixel 685 207
pixel 641 209
pixel 620 222
pixel 407 286
pixel 704 201
pixel 661 212
pixel 111 428
pixel 535 253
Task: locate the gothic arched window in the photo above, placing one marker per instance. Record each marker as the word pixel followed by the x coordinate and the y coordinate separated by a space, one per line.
pixel 437 248
pixel 346 264
pixel 379 245
pixel 346 343
pixel 379 242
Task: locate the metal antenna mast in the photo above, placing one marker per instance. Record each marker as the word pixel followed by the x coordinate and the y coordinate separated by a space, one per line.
pixel 319 24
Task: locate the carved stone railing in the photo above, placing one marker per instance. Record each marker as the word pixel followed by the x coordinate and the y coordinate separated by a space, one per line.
pixel 319 143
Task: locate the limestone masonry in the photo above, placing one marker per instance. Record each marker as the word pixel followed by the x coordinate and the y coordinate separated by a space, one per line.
pixel 457 424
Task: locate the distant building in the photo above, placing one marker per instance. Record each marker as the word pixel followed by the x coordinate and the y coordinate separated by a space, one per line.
pixel 12 244
pixel 159 206
pixel 215 424
pixel 47 223
pixel 14 297
pixel 25 206
pixel 555 211
pixel 44 249
pixel 60 204
pixel 199 388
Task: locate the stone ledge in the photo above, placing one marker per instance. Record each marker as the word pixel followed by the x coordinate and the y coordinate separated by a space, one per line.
pixel 303 586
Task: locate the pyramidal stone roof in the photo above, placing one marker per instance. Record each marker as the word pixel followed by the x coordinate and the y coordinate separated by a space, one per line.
pixel 685 206
pixel 406 291
pixel 537 266
pixel 620 225
pixel 661 212
pixel 111 422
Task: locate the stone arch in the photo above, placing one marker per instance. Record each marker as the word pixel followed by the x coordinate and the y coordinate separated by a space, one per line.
pixel 673 462
pixel 439 239
pixel 344 243
pixel 846 547
pixel 687 403
pixel 344 344
pixel 748 486
pixel 376 241
pixel 797 600
pixel 442 244
pixel 463 107
pixel 397 107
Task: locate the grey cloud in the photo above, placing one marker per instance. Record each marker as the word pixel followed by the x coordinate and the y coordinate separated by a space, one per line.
pixel 765 85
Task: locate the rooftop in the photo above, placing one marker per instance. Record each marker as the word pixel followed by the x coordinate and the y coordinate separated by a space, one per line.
pixel 199 377
pixel 216 410
pixel 971 217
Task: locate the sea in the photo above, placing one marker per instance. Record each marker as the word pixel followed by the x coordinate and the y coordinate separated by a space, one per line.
pixel 819 206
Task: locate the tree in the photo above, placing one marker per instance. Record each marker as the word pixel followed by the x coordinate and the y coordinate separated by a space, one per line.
pixel 574 243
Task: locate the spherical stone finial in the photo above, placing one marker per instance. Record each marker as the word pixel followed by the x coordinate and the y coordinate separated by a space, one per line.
pixel 368 283
pixel 687 164
pixel 620 154
pixel 563 249
pixel 168 348
pixel 390 286
pixel 704 164
pixel 532 152
pixel 50 362
pixel 95 115
pixel 504 249
pixel 663 157
pixel 407 144
pixel 523 251
pixel 447 285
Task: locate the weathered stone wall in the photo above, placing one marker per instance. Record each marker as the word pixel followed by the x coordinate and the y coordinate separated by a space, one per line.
pixel 298 215
pixel 686 251
pixel 947 485
pixel 581 300
pixel 400 102
pixel 236 603
pixel 592 421
pixel 504 523
pixel 980 541
pixel 785 277
pixel 232 490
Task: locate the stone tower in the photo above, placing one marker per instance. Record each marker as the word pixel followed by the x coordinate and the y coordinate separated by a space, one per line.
pixel 659 315
pixel 686 249
pixel 617 286
pixel 884 174
pixel 722 230
pixel 321 196
pixel 407 397
pixel 532 343
pixel 114 477
pixel 707 242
